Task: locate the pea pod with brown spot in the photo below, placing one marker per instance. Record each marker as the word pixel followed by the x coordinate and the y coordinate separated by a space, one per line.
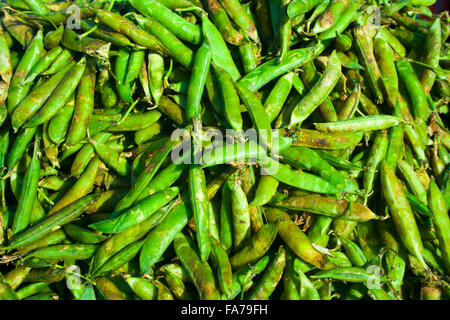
pixel 324 206
pixel 296 240
pixel 64 252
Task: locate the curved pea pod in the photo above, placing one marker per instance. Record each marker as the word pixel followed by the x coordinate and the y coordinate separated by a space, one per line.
pixel 142 288
pixel 224 273
pixel 319 92
pixel 53 38
pixel 202 62
pixel 28 107
pixel 330 16
pixel 108 289
pixel 318 233
pixel 60 96
pixel 115 38
pixel 200 272
pixel 42 65
pixel 200 209
pixel 138 213
pixel 325 206
pixel 278 95
pixel 265 190
pixel 349 274
pixel 84 105
pixel 58 219
pixel 32 54
pixel 219 53
pixel 156 75
pixel 28 194
pixel 182 28
pixel 401 213
pixel 58 125
pixel 64 252
pixel 6 69
pixel 296 178
pixel 267 284
pixel 223 23
pixel 63 59
pixel 242 19
pixel 296 240
pixel 119 259
pixel 353 252
pixel 113 159
pixel 91 46
pixel 136 122
pixel 326 140
pixel 162 236
pixel 122 239
pixel 271 69
pixel 342 20
pixel 81 187
pixel 19 147
pixel 415 89
pixel 258 245
pixel 366 123
pixel 232 153
pixel 83 235
pixel 230 99
pixel 320 167
pixel 440 220
pixel 178 50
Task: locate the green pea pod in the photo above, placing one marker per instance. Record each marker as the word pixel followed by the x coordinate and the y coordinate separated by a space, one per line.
pixel 142 287
pixel 115 38
pixel 145 176
pixel 60 96
pixel 178 50
pixel 120 258
pixel 86 153
pixel 200 272
pixel 19 147
pixel 120 70
pixel 37 97
pixel 65 251
pixel 367 123
pixel 81 187
pixel 242 19
pixel 415 90
pixel 84 105
pixel 6 69
pixel 62 60
pixel 319 231
pixel 440 220
pixel 135 122
pixel 112 158
pixel 258 245
pixel 334 11
pixel 223 23
pixel 296 178
pixel 342 21
pixel 182 28
pixel 349 274
pixel 325 206
pixel 220 54
pixel 42 64
pixel 31 56
pixel 53 38
pixel 159 239
pixel 59 124
pixel 318 92
pixel 108 289
pixel 298 7
pixel 197 81
pixel 257 113
pixel 155 75
pixel 272 69
pixel 4 145
pixel 270 278
pixel 83 235
pixel 296 240
pixel 266 189
pixel 56 220
pixel 278 96
pixel 91 46
pixel 138 213
pixel 222 262
pixel 240 216
pixel 28 194
pixel 401 213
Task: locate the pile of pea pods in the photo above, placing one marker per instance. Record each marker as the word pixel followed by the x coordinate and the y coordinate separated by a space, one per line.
pixel 224 150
